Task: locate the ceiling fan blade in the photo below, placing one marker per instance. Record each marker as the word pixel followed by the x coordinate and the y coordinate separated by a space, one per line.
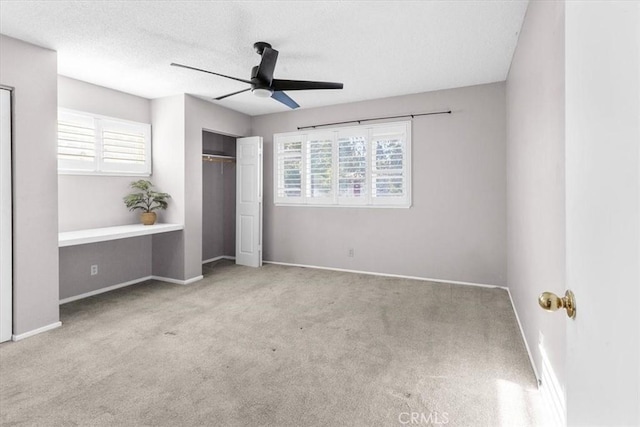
pixel 284 98
pixel 267 65
pixel 231 94
pixel 210 72
pixel 279 85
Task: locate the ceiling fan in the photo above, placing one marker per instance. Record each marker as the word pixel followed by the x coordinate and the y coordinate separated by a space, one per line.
pixel 262 82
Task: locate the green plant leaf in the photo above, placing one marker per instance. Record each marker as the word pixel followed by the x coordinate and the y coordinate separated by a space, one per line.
pixel 147 199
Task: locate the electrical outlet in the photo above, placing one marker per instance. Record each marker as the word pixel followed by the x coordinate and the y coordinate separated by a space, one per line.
pixel 350 252
pixel 94 269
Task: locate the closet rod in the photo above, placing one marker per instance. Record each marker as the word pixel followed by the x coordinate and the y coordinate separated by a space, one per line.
pixel 377 118
pixel 218 158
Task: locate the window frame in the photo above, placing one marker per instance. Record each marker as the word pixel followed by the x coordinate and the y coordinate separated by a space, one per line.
pixel 306 161
pixel 99 167
pixel 336 200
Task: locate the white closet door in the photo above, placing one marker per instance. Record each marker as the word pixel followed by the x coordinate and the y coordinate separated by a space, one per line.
pixel 249 201
pixel 5 217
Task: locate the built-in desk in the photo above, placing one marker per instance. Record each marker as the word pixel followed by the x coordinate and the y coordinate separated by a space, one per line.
pixel 94 235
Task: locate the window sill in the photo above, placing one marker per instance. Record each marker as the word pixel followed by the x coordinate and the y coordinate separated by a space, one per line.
pixel 313 205
pixel 94 235
pixel 92 173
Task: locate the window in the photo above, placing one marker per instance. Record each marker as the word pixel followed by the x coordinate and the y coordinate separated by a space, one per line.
pixel 92 144
pixel 355 166
pixel 319 171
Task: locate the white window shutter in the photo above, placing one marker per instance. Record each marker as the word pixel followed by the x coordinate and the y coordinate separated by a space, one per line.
pixel 289 164
pixel 319 168
pixel 93 144
pixel 352 167
pixel 357 166
pixel 389 165
pixel 76 142
pixel 125 147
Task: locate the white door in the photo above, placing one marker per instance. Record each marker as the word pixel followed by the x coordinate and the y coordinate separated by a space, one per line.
pixel 249 201
pixel 602 212
pixel 5 217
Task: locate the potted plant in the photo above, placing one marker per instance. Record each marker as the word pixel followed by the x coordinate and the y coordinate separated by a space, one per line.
pixel 147 200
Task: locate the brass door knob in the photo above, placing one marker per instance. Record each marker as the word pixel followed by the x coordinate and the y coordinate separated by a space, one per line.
pixel 552 302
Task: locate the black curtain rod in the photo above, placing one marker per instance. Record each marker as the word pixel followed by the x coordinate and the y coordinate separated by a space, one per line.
pixel 379 118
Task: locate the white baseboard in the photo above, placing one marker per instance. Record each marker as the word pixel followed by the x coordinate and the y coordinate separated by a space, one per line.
pixel 103 290
pixel 206 261
pixel 552 393
pixel 36 331
pixel 177 281
pixel 524 338
pixel 399 276
pixel 550 390
pixel 129 283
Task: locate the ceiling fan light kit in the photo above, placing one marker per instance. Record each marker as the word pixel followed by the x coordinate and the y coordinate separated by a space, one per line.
pixel 263 85
pixel 262 93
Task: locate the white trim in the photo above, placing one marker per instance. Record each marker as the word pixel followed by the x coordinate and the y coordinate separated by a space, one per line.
pixel 103 290
pixel 370 134
pixel 399 276
pixel 526 344
pixel 550 390
pixel 102 173
pixel 129 283
pixel 6 214
pixel 311 205
pixel 100 166
pixel 36 331
pixel 177 281
pixel 206 261
pixel 104 234
pixel 552 393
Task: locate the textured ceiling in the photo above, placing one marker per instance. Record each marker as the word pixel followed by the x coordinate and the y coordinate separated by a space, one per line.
pixel 376 48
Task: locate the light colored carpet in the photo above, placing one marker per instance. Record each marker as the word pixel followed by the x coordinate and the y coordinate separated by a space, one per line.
pixel 275 346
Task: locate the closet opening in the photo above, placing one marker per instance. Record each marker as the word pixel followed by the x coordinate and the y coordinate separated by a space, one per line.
pixel 218 197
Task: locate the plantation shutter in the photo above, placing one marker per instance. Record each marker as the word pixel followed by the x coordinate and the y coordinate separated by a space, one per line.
pixel 289 165
pixel 319 170
pixel 356 166
pixel 389 165
pixel 352 167
pixel 124 146
pixel 76 142
pixel 89 143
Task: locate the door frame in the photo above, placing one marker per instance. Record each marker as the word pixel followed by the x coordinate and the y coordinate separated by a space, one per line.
pixel 6 224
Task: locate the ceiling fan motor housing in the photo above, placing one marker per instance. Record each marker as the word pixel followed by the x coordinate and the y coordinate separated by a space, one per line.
pixel 259 88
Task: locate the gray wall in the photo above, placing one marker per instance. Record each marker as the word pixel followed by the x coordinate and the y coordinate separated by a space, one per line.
pixel 96 201
pixel 32 70
pixel 218 198
pixel 455 229
pixel 178 124
pixel 535 177
pixel 167 132
pixel 118 261
pixel 202 115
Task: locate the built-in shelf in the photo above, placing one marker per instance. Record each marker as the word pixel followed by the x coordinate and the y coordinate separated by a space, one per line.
pixel 94 235
pixel 218 158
